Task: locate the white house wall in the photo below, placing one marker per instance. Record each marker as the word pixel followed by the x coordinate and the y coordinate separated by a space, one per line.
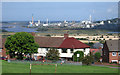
pixel 43 51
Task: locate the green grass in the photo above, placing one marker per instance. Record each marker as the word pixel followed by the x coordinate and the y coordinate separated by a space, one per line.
pixel 24 68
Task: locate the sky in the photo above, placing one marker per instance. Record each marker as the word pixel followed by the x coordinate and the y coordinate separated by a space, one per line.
pixel 54 11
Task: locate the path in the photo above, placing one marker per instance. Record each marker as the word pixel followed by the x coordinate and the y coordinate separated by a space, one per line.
pixel 107 65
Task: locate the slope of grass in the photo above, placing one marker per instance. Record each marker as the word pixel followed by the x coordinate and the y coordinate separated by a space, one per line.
pixel 24 68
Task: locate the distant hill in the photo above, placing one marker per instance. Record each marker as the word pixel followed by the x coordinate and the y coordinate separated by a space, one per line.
pixel 113 25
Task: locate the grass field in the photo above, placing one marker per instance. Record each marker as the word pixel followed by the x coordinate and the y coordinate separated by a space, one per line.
pixel 24 68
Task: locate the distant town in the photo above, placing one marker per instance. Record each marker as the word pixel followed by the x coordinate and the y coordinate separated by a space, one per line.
pixel 81 24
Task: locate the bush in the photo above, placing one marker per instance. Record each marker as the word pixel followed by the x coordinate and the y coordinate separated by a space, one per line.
pixel 48 35
pixel 42 29
pixel 101 36
pixel 81 39
pixel 102 41
pixel 97 56
pixel 88 59
pixel 53 54
pixel 90 43
pixel 75 58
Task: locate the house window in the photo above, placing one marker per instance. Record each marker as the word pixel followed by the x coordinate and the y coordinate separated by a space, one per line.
pixel 71 50
pixel 118 53
pixel 84 50
pixel 113 53
pixel 64 50
pixel 46 49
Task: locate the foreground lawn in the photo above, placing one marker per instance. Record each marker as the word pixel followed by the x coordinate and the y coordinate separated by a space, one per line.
pixel 24 68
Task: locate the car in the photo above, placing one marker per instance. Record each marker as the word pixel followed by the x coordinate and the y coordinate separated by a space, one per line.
pixel 29 59
pixel 42 59
pixel 2 58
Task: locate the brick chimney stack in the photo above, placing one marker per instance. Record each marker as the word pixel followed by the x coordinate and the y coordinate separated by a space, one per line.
pixel 33 33
pixel 66 35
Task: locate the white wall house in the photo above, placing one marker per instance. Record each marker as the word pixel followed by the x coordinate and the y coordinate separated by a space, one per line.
pixel 66 46
pixel 68 53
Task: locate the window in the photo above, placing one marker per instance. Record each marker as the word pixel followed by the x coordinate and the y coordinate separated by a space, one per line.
pixel 113 53
pixel 84 50
pixel 118 53
pixel 64 50
pixel 46 49
pixel 71 50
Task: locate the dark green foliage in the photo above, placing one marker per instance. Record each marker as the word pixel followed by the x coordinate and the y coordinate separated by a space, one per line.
pixel 42 29
pixel 102 41
pixel 101 36
pixel 52 54
pixel 75 58
pixel 88 59
pixel 48 35
pixel 3 30
pixel 110 34
pixel 94 39
pixel 90 43
pixel 97 56
pixel 81 39
pixel 21 42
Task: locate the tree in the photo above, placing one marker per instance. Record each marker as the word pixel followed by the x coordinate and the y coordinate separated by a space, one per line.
pixel 97 56
pixel 52 54
pixel 19 44
pixel 88 59
pixel 81 55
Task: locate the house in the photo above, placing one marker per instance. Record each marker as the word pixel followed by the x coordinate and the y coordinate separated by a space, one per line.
pixel 93 51
pixel 2 48
pixel 111 51
pixel 65 45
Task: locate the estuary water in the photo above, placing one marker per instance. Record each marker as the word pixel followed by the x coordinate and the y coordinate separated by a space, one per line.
pixel 18 28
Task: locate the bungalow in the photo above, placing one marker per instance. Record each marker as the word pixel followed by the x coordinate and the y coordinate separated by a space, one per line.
pixel 66 46
pixel 111 51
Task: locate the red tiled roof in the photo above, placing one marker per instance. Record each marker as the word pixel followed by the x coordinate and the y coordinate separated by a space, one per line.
pixel 60 42
pixel 49 41
pixel 57 42
pixel 73 43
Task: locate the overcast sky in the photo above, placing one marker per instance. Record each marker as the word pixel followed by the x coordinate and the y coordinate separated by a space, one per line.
pixel 22 11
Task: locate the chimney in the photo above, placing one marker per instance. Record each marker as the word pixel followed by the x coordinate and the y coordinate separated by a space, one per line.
pixel 66 35
pixel 33 33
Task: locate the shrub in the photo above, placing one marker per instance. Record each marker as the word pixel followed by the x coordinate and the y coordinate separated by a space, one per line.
pixel 88 59
pixel 75 58
pixel 97 56
pixel 101 36
pixel 93 38
pixel 81 39
pixel 48 35
pixel 53 54
pixel 42 29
